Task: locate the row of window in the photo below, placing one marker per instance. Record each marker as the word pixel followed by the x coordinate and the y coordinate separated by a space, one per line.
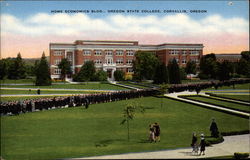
pixel 110 61
pixel 108 52
pixel 184 61
pixel 184 52
pixel 58 71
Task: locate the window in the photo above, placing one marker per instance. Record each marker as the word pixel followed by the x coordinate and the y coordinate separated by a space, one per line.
pixel 119 52
pixel 130 53
pixel 109 52
pixel 86 60
pixel 109 61
pixel 57 61
pixel 119 61
pixel 184 52
pixel 69 57
pixel 184 61
pixel 195 60
pixel 130 70
pixel 174 52
pixel 98 61
pixel 194 52
pixel 98 52
pixel 58 53
pixel 57 71
pixel 129 61
pixel 86 52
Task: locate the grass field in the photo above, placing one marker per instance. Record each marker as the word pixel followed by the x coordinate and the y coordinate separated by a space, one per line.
pixel 222 103
pixel 24 81
pixel 77 132
pixel 101 86
pixel 237 86
pixel 236 97
pixel 132 85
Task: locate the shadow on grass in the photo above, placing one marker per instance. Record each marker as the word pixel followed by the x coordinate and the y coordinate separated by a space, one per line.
pixel 145 141
pixel 105 143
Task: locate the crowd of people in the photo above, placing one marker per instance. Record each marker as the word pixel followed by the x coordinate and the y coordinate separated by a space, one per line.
pixel 30 105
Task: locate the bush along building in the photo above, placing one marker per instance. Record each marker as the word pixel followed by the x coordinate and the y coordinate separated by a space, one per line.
pixel 117 55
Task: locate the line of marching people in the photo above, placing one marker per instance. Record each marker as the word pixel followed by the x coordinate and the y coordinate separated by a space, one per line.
pixel 30 105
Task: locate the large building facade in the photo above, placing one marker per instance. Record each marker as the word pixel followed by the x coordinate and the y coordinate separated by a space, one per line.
pixel 117 55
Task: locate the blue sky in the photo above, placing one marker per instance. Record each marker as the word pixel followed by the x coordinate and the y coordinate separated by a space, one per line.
pixel 27 8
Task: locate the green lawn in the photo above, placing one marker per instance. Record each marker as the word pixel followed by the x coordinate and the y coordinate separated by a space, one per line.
pixel 133 85
pixel 219 102
pixel 236 97
pixel 237 86
pixel 101 86
pixel 26 91
pixel 77 132
pixel 6 81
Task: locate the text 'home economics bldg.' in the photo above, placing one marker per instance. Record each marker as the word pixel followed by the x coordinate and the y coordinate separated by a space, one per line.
pixel 117 55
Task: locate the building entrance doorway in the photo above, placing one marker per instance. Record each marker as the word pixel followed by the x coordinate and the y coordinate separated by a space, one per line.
pixel 109 72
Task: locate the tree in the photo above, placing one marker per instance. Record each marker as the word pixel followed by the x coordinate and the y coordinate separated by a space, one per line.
pixel 3 69
pixel 43 72
pixel 119 75
pixel 101 75
pixel 243 66
pixel 183 74
pixel 129 114
pixel 87 72
pixel 17 68
pixel 174 72
pixel 65 67
pixel 224 71
pixel 208 66
pixel 144 65
pixel 161 74
pixel 190 67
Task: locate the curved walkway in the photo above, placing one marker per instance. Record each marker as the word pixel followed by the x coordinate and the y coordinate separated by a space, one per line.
pixel 175 96
pixel 231 144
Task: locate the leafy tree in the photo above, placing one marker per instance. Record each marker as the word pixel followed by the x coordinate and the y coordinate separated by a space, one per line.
pixel 224 71
pixel 65 67
pixel 87 72
pixel 43 72
pixel 129 114
pixel 17 68
pixel 191 67
pixel 174 72
pixel 144 65
pixel 208 66
pixel 3 69
pixel 119 75
pixel 183 74
pixel 243 67
pixel 101 75
pixel 161 74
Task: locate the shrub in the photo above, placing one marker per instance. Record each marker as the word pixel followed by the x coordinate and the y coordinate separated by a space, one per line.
pixel 119 75
pixel 238 155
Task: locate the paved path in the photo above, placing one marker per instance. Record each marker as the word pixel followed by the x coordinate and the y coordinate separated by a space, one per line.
pixel 176 94
pixel 231 144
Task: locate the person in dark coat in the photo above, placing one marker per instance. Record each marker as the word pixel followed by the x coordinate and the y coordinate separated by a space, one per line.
pixel 38 91
pixel 194 144
pixel 157 132
pixel 202 145
pixel 214 129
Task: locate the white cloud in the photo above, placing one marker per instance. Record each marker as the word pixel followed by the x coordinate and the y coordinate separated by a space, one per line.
pixel 67 24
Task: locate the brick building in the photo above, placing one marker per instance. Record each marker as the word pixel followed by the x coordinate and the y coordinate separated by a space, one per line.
pixel 117 55
pixel 233 57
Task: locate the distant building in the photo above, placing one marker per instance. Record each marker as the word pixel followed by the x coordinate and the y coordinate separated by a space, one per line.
pixel 117 55
pixel 234 57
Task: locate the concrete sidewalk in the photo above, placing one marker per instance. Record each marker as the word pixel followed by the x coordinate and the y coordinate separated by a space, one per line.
pixel 175 96
pixel 231 144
